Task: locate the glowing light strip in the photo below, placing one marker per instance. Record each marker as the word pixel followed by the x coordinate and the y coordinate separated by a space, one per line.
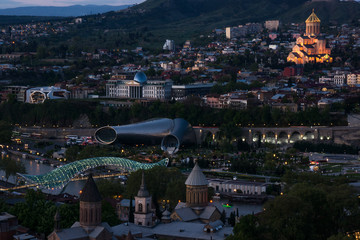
pixel 61 176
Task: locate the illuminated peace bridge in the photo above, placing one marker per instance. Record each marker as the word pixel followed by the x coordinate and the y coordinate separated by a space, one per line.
pixel 61 176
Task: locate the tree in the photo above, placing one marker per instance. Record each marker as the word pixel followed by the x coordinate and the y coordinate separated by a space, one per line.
pixel 175 191
pixel 3 206
pixel 35 213
pixel 341 237
pixel 223 216
pixel 108 214
pixel 211 193
pixel 11 167
pixel 42 52
pixel 5 132
pixel 131 210
pixel 231 219
pixel 165 183
pixel 69 214
pixel 247 228
pixel 110 188
pixel 310 209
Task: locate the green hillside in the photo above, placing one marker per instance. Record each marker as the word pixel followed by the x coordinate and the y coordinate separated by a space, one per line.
pixel 150 23
pixel 183 19
pixel 208 14
pixel 195 15
pixel 336 12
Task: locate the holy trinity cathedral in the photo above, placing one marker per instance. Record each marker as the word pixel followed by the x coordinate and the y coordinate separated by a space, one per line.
pixel 311 47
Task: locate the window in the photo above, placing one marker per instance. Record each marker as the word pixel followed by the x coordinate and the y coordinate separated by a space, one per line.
pixel 140 207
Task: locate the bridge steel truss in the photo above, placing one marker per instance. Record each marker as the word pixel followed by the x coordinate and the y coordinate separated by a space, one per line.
pixel 61 176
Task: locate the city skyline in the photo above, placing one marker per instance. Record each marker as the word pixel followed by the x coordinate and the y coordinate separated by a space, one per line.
pixel 235 120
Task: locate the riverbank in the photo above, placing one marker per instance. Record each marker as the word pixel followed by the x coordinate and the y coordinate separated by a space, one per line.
pixel 25 155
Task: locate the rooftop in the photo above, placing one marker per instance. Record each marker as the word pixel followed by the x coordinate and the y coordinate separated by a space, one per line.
pixel 140 77
pixel 143 192
pixel 312 18
pixel 183 230
pixel 90 192
pixel 196 177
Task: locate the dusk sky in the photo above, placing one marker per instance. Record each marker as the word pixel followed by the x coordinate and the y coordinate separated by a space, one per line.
pixel 25 3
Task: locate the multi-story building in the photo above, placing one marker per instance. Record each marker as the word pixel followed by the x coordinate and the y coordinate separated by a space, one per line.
pixel 123 209
pixel 326 80
pixel 212 101
pixel 81 92
pixel 139 88
pixel 236 186
pixel 311 47
pixel 8 226
pixel 353 79
pixel 169 45
pixel 272 25
pixel 326 102
pixel 182 91
pixel 18 91
pixel 339 79
pixel 243 30
pixel 40 94
pixel 233 100
pixel 286 107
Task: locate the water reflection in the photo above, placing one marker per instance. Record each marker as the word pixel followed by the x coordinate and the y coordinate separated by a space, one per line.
pixel 34 168
pixel 74 188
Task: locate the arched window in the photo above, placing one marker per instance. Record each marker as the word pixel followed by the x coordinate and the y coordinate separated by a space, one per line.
pixel 140 206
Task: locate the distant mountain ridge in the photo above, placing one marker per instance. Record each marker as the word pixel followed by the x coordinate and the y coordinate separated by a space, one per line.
pixel 69 11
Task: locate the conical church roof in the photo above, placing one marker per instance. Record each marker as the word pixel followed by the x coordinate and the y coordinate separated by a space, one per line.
pixel 196 177
pixel 90 192
pixel 312 18
pixel 143 192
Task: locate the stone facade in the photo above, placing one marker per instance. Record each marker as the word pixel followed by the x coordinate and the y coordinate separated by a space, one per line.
pixel 196 196
pixel 144 212
pixel 310 47
pixel 90 214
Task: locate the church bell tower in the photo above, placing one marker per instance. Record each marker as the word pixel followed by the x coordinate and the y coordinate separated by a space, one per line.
pixel 90 205
pixel 143 215
pixel 312 25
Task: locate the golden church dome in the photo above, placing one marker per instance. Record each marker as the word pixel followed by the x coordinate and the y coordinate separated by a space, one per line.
pixel 312 18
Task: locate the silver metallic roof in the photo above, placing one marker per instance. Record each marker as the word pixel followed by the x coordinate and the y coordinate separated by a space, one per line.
pixel 196 177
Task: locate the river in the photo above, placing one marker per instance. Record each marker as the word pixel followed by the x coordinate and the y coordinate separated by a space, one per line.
pixel 34 168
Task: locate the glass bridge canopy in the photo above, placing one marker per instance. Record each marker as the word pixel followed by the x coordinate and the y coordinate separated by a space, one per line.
pixel 61 176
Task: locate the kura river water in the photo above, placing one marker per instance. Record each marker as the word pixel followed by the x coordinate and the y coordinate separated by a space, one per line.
pixel 73 188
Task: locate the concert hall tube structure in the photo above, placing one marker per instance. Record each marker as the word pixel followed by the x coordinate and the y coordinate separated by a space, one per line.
pixel 170 133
